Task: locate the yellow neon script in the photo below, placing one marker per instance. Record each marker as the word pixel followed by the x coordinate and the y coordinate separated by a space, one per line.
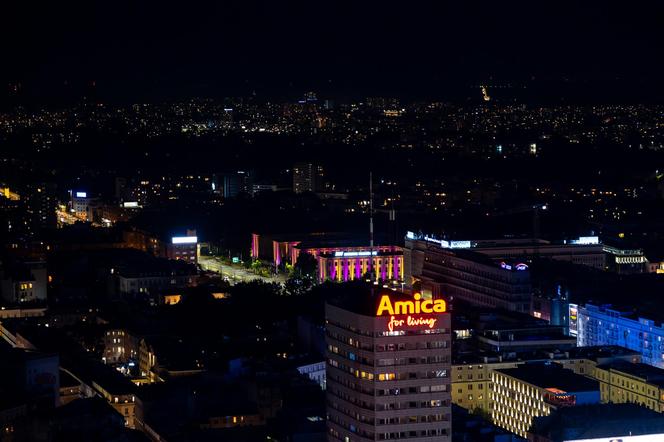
pixel 410 307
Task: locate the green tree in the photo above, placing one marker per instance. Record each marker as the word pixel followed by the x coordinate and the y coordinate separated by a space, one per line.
pixel 303 275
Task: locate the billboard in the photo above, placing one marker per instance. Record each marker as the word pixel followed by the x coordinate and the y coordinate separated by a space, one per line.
pixel 184 240
pixel 573 319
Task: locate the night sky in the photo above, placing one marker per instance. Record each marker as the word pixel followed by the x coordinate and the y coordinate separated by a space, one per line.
pixel 145 49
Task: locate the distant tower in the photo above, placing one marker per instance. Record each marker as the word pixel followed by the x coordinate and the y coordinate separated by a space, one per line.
pixel 306 177
pixel 485 93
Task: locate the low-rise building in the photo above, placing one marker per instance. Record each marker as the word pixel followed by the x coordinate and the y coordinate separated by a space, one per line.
pixel 606 325
pixel 471 376
pixel 623 382
pixel 530 390
pixel 154 276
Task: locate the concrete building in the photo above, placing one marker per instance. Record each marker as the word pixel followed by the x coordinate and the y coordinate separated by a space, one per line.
pixel 624 382
pixel 231 184
pixel 120 346
pixel 314 371
pixel 531 390
pixel 340 257
pixel 23 282
pixel 472 376
pixel 183 247
pixel 467 276
pixel 605 325
pixel 306 177
pixel 599 423
pixel 152 277
pixel 388 365
pixel 82 205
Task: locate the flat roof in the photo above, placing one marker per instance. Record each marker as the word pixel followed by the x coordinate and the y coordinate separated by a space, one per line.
pixel 652 375
pixel 551 375
pixel 359 296
pixel 599 421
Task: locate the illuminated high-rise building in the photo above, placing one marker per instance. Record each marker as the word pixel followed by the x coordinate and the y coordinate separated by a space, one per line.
pixel 530 390
pixel 307 177
pixel 388 367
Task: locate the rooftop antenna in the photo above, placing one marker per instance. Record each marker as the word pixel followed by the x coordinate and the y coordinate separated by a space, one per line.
pixel 371 230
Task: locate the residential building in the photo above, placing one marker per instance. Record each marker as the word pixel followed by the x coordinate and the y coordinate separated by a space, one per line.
pixel 388 364
pixel 623 382
pixel 607 325
pixel 530 390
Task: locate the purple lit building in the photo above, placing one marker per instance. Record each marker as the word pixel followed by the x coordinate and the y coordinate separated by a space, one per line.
pixel 339 257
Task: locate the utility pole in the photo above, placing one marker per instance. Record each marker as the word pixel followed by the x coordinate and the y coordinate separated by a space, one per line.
pixel 371 226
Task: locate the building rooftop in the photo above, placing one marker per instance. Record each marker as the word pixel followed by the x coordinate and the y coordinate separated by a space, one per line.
pixel 598 421
pixel 359 296
pixel 650 374
pixel 470 354
pixel 550 375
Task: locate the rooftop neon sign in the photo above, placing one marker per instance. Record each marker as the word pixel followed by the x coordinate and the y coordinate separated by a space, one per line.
pixel 417 306
pixel 352 254
pixel 184 239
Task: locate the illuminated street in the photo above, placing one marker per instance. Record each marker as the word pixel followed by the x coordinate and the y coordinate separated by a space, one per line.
pixel 234 273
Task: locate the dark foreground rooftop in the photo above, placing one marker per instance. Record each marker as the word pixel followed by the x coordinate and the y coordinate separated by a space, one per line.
pixel 551 375
pixel 597 421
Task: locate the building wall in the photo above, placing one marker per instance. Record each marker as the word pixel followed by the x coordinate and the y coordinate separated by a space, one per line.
pixel 604 326
pixel 120 346
pixel 29 289
pixel 185 252
pixel 619 387
pixel 124 404
pixel 385 385
pixel 472 384
pixel 387 267
pixel 516 403
pixel 153 284
pixel 586 255
pixel 479 283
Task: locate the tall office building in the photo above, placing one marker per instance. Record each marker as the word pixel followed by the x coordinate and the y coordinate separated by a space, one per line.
pixel 306 177
pixel 231 184
pixel 449 267
pixel 40 204
pixel 388 367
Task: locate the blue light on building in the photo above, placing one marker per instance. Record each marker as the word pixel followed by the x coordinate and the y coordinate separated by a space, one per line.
pixel 604 325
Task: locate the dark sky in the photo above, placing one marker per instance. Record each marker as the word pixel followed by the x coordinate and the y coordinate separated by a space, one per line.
pixel 153 49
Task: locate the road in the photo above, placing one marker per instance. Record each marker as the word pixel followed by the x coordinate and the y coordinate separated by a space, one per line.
pixel 234 273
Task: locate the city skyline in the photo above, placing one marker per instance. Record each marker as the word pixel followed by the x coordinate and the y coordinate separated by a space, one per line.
pixel 157 51
pixel 331 222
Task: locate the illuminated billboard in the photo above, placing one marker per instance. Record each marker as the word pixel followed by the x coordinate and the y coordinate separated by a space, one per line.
pixel 460 244
pixel 81 194
pixel 406 313
pixel 440 242
pixel 573 319
pixel 129 204
pixel 585 240
pixel 184 240
pixel 355 254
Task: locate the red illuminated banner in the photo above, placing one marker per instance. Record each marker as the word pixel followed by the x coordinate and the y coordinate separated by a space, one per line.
pixel 415 307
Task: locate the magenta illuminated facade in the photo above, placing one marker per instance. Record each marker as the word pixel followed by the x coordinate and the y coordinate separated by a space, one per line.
pixel 347 265
pixel 339 259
